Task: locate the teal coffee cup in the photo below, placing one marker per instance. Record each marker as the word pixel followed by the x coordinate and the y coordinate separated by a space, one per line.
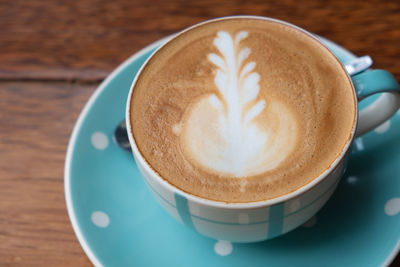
pixel 265 219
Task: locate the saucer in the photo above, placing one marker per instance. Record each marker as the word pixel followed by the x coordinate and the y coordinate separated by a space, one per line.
pixel 119 223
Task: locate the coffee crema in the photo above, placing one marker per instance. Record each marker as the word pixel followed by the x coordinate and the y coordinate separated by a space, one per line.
pixel 242 110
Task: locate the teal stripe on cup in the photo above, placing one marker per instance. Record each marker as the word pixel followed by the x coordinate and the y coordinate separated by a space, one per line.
pixel 275 224
pixel 183 209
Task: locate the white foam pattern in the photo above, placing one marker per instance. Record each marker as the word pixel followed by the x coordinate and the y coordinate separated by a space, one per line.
pixel 225 132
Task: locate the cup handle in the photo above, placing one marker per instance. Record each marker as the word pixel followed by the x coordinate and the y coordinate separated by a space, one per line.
pixel 373 82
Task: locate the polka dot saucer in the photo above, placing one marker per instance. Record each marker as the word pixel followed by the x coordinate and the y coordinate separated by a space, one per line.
pixel 119 223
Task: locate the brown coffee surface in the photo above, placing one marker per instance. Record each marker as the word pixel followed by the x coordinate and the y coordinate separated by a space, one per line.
pixel 242 110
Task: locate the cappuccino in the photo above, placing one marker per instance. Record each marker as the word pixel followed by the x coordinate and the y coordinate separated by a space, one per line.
pixel 242 110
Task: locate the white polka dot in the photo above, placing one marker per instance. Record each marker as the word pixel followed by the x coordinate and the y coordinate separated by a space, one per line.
pixel 99 140
pixel 383 127
pixel 392 207
pixel 295 205
pixel 359 144
pixel 352 180
pixel 311 222
pixel 244 218
pixel 100 219
pixel 223 248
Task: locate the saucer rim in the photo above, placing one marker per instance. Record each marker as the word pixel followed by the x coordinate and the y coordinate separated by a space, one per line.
pixel 73 138
pixel 78 125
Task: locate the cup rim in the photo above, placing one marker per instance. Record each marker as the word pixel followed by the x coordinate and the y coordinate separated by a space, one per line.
pixel 238 205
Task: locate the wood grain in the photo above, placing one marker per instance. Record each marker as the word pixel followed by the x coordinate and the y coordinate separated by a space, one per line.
pixel 87 39
pixel 54 53
pixel 36 120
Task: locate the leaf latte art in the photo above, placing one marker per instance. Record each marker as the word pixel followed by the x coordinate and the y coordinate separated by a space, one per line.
pixel 233 131
pixel 240 110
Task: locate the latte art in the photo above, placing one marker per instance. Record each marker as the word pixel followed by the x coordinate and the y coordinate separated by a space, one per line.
pixel 241 110
pixel 222 132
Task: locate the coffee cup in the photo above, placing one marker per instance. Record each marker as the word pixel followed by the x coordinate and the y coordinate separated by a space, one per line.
pixel 242 126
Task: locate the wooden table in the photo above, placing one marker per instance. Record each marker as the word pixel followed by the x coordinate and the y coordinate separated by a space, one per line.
pixel 53 54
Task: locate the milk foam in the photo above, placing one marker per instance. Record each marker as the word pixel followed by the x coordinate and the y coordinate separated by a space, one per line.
pixel 225 132
pixel 241 110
